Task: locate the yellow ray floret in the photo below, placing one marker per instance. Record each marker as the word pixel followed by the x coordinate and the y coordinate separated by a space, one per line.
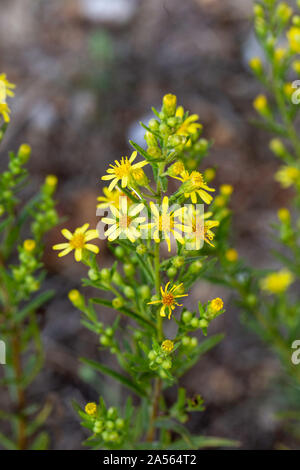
pixel 78 241
pixel 168 299
pixel 125 223
pixel 122 171
pixel 165 223
pixel 200 227
pixel 193 184
pixel 111 198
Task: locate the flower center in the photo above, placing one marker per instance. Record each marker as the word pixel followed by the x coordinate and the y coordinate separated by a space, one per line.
pixel 166 222
pixel 124 221
pixel 123 169
pixel 197 179
pixel 168 299
pixel 78 240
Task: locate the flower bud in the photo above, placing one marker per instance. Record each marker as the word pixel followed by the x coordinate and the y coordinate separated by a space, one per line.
pixel 117 303
pixel 187 317
pixel 129 269
pixel 169 104
pixel 129 292
pixel 24 153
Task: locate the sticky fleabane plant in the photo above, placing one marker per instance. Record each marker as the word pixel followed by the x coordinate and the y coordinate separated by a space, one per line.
pixel 22 228
pixel 162 242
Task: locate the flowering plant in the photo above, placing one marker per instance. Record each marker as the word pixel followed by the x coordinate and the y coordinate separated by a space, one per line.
pixel 20 282
pixel 162 245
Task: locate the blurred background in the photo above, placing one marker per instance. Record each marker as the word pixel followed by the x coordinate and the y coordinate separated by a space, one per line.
pixel 87 72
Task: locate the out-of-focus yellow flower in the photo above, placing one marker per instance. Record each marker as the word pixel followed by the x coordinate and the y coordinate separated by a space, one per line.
pixel 220 201
pixel 293 36
pixel 277 283
pixel 193 184
pixel 91 409
pixel 167 345
pixel 122 170
pixel 74 296
pixel 165 223
pixel 5 88
pixel 78 241
pixel 29 245
pixel 209 174
pixel 284 11
pixel 261 105
pixel 111 198
pixel 287 176
pixel 189 126
pixel 279 54
pixel 216 304
pixel 288 90
pixel 256 64
pixel 284 215
pixel 125 221
pixel 51 180
pixel 296 66
pixel 5 111
pixel 277 147
pixel 231 255
pixel 168 299
pixel 139 178
pixel 226 189
pixel 176 169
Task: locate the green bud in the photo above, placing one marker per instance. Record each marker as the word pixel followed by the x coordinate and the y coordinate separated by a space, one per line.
pixel 203 323
pixel 195 267
pixel 109 425
pixel 195 322
pixel 109 331
pixel 152 355
pixel 166 364
pixel 187 317
pixel 154 152
pixel 159 360
pixel 104 340
pixel 145 292
pixel 105 436
pixel 117 303
pixel 171 272
pixel 93 275
pixel 129 269
pixel 193 342
pixel 113 436
pixel 117 278
pixel 112 412
pixel 150 139
pixel 153 124
pixel 202 146
pixel 185 340
pixel 105 274
pixel 164 129
pixel 169 104
pixel 129 292
pixel 172 121
pixel 178 261
pixel 119 252
pixel 120 423
pixel 141 249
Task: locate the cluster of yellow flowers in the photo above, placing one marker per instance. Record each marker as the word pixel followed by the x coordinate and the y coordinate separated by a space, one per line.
pixel 6 89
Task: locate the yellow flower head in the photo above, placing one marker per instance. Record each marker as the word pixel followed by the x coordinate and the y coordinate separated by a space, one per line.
pixel 216 304
pixel 296 66
pixel 189 126
pixel 226 189
pixel 5 88
pixel 287 176
pixel 193 184
pixel 277 283
pixel 125 223
pixel 122 171
pixel 293 36
pixel 209 174
pixel 255 64
pixel 78 241
pixel 176 169
pixel 200 227
pixel 231 255
pixel 284 215
pixel 51 180
pixel 74 296
pixel 111 198
pixel 5 111
pixel 167 345
pixel 260 103
pixel 165 223
pixel 91 409
pixel 168 299
pixel 138 177
pixel 29 245
pixel 279 54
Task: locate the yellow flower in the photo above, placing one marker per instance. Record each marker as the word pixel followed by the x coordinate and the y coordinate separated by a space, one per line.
pixel 296 66
pixel 74 295
pixel 192 184
pixel 209 174
pixel 284 215
pixel 51 180
pixel 176 169
pixel 138 177
pixel 78 241
pixel 91 409
pixel 261 104
pixel 231 255
pixel 189 126
pixel 255 64
pixel 111 198
pixel 29 245
pixel 288 89
pixel 125 222
pixel 122 171
pixel 167 345
pixel 165 223
pixel 200 227
pixel 287 176
pixel 279 54
pixel 5 111
pixel 277 283
pixel 5 88
pixel 293 36
pixel 168 299
pixel 226 189
pixel 216 305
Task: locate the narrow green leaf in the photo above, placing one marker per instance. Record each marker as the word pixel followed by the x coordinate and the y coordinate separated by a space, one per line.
pixel 34 305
